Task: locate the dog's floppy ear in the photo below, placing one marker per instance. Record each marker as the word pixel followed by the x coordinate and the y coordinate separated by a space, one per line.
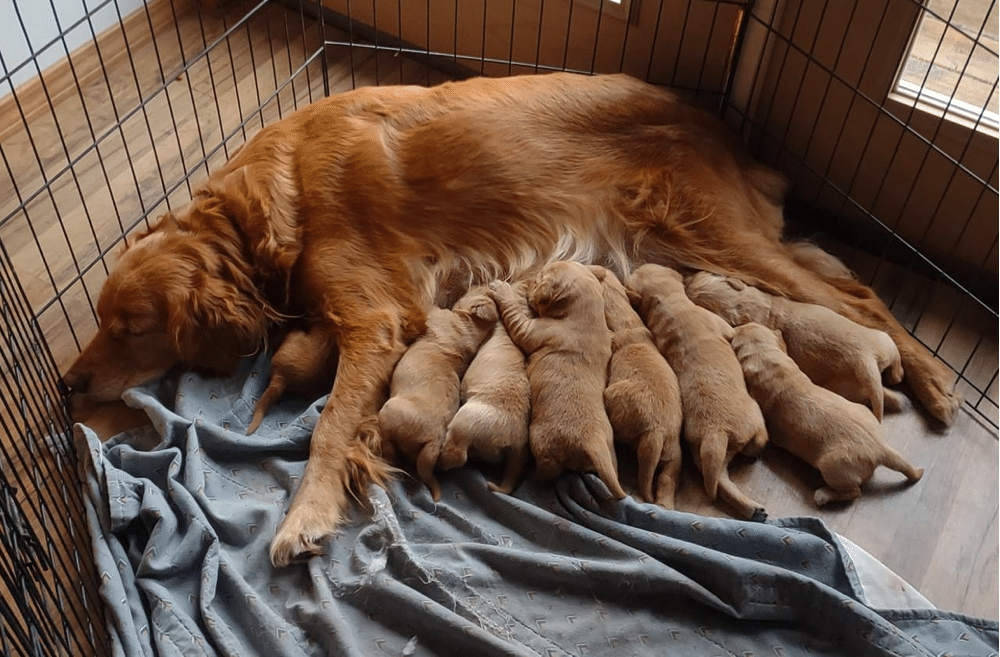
pixel 262 199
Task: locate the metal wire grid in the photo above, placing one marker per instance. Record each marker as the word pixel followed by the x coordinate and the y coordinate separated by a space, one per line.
pixel 69 208
pixel 929 307
pixel 42 612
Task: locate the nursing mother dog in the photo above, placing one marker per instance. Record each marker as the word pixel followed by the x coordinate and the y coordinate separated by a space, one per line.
pixel 351 213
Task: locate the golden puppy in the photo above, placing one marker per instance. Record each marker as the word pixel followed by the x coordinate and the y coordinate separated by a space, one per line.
pixel 643 399
pixel 720 417
pixel 568 347
pixel 841 439
pixel 304 364
pixel 833 351
pixel 424 391
pixel 492 422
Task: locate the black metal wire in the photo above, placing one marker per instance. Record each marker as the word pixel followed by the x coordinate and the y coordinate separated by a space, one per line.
pixel 40 530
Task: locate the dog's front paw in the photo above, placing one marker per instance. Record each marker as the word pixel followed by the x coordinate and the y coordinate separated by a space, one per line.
pixel 302 533
pixel 933 384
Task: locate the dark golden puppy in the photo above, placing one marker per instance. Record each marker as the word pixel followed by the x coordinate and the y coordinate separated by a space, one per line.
pixel 568 347
pixel 841 439
pixel 643 398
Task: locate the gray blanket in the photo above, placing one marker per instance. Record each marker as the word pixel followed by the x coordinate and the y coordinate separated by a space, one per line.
pixel 182 514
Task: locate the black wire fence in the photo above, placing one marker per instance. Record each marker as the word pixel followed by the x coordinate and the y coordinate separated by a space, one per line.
pixel 145 98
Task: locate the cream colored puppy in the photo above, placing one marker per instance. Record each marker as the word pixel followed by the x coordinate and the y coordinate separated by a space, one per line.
pixel 840 438
pixel 568 347
pixel 304 364
pixel 643 399
pixel 424 390
pixel 833 351
pixel 492 422
pixel 720 417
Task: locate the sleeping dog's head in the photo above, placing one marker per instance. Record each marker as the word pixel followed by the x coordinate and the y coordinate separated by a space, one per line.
pixel 175 296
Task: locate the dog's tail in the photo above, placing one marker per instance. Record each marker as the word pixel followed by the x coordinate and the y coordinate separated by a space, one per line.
pixel 893 460
pixel 275 388
pixel 603 463
pixel 712 461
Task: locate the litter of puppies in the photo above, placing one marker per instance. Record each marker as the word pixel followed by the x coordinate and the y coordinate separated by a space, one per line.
pixel 570 360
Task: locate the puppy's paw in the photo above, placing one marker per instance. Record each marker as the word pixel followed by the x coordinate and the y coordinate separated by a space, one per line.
pixel 302 532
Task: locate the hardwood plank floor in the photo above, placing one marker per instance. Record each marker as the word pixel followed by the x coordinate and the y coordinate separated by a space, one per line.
pixel 66 204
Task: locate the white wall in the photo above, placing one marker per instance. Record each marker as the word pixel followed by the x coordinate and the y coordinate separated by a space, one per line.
pixel 28 26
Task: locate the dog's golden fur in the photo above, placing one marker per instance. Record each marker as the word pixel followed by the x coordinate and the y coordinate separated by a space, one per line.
pixel 492 423
pixel 643 399
pixel 841 439
pixel 720 418
pixel 424 392
pixel 568 347
pixel 351 211
pixel 834 352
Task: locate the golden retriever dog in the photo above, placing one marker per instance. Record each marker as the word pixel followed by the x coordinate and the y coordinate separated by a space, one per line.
pixel 424 390
pixel 304 364
pixel 492 422
pixel 841 439
pixel 720 418
pixel 834 352
pixel 643 399
pixel 568 347
pixel 349 212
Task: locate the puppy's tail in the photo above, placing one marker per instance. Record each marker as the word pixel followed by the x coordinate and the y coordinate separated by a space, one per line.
pixel 712 461
pixel 893 460
pixel 604 464
pixel 274 390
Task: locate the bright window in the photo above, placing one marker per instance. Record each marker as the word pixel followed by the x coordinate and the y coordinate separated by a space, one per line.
pixel 951 66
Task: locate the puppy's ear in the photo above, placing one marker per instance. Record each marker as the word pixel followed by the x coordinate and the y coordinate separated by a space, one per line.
pixel 634 297
pixel 736 283
pixel 486 310
pixel 781 340
pixel 598 271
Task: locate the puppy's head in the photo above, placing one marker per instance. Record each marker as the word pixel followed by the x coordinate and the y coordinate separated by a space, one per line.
pixel 652 280
pixel 757 338
pixel 479 306
pixel 728 296
pixel 172 298
pixel 559 286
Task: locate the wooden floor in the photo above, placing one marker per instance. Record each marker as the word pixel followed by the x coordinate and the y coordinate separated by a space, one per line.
pixel 941 535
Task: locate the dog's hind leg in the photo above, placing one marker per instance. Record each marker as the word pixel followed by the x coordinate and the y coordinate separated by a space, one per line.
pixel 670 472
pixel 426 462
pixel 517 458
pixel 648 452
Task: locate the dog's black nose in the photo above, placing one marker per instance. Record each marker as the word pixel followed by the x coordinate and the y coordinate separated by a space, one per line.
pixel 73 383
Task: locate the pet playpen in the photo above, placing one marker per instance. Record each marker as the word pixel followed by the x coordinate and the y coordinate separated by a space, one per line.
pixel 883 114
